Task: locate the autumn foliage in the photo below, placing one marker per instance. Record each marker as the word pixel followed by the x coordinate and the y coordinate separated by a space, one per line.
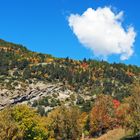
pixel 68 122
pixel 103 115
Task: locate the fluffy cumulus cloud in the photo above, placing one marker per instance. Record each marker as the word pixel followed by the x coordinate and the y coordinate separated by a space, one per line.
pixel 101 31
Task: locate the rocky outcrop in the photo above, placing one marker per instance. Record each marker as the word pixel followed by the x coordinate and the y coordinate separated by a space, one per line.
pixel 33 92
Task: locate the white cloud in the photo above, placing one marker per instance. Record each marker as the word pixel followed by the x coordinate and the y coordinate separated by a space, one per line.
pixel 101 31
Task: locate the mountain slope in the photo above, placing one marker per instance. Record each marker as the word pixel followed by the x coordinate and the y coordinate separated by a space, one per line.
pixel 23 71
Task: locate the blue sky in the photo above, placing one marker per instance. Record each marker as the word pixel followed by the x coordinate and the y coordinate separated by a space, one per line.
pixel 42 25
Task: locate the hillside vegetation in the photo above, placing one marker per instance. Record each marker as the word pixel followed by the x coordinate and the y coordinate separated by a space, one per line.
pixel 47 98
pixel 18 64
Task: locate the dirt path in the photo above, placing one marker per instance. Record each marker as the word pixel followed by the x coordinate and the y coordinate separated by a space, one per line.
pixel 115 134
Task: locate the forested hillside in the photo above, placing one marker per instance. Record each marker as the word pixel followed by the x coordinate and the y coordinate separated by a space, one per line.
pixel 19 64
pixel 66 98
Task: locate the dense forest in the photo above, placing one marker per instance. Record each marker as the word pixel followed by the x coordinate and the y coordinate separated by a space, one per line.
pixel 113 90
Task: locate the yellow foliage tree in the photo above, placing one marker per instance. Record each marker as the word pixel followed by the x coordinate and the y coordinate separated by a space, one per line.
pixel 22 122
pixel 64 123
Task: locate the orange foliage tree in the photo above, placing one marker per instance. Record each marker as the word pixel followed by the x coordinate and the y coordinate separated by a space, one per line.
pixel 103 115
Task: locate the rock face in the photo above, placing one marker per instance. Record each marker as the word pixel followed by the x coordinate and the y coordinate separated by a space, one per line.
pixel 33 92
